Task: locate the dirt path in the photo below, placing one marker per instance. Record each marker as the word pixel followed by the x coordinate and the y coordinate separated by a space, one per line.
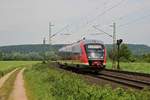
pixel 4 78
pixel 18 92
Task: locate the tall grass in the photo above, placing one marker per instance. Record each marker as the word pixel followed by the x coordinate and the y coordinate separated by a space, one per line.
pixel 48 83
pixel 135 67
pixel 7 66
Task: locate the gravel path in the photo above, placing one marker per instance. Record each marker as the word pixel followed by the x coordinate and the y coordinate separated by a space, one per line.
pixel 18 92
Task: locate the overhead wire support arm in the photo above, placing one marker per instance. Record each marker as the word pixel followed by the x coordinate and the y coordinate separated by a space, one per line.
pixel 58 32
pixel 102 31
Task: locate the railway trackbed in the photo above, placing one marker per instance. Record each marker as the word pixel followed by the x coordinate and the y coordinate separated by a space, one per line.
pixel 129 80
pixel 125 78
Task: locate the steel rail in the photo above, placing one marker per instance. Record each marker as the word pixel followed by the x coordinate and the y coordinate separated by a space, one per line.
pixel 113 77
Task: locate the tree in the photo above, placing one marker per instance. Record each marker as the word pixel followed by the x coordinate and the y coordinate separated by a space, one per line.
pixel 146 57
pixel 1 55
pixel 125 54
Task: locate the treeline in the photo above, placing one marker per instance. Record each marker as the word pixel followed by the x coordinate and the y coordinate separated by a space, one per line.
pixel 30 48
pixel 136 49
pixel 29 52
pixel 48 52
pixel 34 56
pixel 126 55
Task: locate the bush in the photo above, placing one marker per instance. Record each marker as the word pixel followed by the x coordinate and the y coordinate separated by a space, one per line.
pixel 55 84
pixel 146 57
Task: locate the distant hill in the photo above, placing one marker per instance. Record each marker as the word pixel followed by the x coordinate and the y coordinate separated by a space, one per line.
pixel 30 48
pixel 135 48
pixel 139 49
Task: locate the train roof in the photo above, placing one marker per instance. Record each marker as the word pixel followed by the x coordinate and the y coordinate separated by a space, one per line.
pixel 85 41
pixel 88 41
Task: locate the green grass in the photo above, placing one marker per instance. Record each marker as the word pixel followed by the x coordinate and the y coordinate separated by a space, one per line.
pixel 130 66
pixel 127 66
pixel 7 66
pixel 48 83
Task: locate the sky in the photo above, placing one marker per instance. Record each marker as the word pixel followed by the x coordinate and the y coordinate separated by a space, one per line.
pixel 26 21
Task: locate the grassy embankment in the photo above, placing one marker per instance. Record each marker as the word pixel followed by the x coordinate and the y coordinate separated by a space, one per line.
pixel 127 66
pixel 7 66
pixel 135 67
pixel 43 82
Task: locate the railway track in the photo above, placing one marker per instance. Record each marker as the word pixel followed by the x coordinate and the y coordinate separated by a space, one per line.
pixel 129 79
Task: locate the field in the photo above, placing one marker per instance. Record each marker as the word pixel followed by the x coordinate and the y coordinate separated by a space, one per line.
pixel 56 84
pixel 46 82
pixel 136 67
pixel 7 66
pixel 127 66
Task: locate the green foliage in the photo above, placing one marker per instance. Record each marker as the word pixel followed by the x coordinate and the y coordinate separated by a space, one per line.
pixel 132 66
pixel 33 52
pixel 29 52
pixel 55 84
pixel 146 57
pixel 124 53
pixel 1 55
pixel 7 66
pixel 136 49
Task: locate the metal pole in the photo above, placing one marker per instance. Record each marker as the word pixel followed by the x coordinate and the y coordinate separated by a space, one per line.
pixel 118 56
pixel 118 66
pixel 44 54
pixel 50 32
pixel 114 46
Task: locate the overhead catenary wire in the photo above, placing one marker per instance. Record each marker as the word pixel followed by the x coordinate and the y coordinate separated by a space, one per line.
pixel 96 8
pixel 59 31
pixel 102 31
pixel 133 21
pixel 107 10
pixel 99 15
pixel 103 13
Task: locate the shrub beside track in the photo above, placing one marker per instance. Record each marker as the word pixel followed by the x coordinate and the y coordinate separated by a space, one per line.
pixel 129 79
pixel 47 82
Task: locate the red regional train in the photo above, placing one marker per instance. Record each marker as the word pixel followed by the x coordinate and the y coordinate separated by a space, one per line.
pixel 90 52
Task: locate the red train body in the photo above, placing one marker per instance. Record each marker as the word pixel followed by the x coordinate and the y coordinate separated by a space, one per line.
pixel 91 52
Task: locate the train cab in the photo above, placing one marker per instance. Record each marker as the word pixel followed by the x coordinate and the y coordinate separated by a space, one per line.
pixel 91 52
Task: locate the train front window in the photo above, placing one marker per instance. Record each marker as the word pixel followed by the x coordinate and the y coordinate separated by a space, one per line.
pixel 95 51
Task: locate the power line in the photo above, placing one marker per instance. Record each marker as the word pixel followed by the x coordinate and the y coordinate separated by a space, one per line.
pixel 102 31
pixel 136 20
pixel 104 12
pixel 101 14
pixel 59 31
pixel 107 10
pixel 133 21
pixel 96 8
pixel 114 41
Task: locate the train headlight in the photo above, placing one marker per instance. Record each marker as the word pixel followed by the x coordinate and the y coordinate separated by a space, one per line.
pixel 102 57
